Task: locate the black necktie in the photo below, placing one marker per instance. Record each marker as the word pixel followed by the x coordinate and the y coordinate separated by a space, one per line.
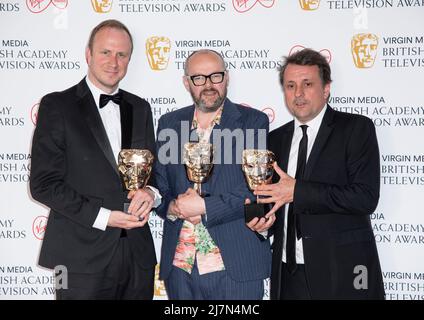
pixel 292 226
pixel 105 98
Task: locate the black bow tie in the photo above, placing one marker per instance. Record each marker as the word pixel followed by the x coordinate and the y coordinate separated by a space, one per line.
pixel 105 98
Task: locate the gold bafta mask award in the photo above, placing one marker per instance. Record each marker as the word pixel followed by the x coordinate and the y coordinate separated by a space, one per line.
pixel 309 4
pixel 135 167
pixel 158 51
pixel 258 169
pixel 198 159
pixel 102 6
pixel 364 49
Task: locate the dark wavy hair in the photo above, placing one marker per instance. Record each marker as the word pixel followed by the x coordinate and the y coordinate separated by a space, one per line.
pixel 308 57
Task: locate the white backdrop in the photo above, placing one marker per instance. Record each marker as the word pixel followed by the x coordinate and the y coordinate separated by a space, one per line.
pixel 42 46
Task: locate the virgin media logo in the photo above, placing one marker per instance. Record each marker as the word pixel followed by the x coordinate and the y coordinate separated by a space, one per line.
pixel 34 113
pixel 39 227
pixel 37 6
pixel 270 113
pixel 245 5
pixel 325 52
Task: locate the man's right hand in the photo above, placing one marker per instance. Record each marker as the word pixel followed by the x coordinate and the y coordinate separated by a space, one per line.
pixel 278 193
pixel 173 209
pixel 195 219
pixel 119 219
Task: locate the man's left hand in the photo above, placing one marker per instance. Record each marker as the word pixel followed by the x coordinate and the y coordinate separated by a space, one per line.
pixel 261 224
pixel 141 202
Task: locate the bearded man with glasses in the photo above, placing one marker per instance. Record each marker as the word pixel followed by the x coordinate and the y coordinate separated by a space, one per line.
pixel 207 250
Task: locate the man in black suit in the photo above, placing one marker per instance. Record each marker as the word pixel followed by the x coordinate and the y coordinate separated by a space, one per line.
pixel 108 254
pixel 324 246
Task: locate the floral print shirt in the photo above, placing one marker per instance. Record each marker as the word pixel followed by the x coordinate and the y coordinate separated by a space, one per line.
pixel 195 242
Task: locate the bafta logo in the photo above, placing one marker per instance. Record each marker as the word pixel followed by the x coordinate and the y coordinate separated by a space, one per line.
pixel 258 169
pixel 135 167
pixel 364 49
pixel 198 159
pixel 158 50
pixel 309 5
pixel 102 6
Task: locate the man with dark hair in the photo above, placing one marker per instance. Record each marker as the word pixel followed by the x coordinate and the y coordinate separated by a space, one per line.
pixel 324 247
pixel 207 250
pixel 107 253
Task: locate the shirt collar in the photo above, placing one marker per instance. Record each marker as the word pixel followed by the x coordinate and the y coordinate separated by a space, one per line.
pixel 96 92
pixel 315 123
pixel 216 120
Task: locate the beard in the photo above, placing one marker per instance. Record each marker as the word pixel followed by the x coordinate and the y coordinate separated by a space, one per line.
pixel 203 106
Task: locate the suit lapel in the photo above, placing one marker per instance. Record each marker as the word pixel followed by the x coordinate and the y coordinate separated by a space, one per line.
pixel 91 115
pixel 126 110
pixel 282 149
pixel 324 132
pixel 230 119
pixel 286 140
pixel 186 118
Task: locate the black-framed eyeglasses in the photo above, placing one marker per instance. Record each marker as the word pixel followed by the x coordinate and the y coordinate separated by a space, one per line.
pixel 200 79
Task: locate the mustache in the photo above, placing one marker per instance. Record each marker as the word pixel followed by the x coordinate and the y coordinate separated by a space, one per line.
pixel 209 90
pixel 300 101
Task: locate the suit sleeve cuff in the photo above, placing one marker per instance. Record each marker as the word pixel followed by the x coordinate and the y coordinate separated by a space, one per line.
pixel 158 197
pixel 264 234
pixel 102 219
pixel 170 215
pixel 204 216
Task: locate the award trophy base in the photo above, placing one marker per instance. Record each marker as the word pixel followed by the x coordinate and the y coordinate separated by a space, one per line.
pixel 254 210
pixel 126 206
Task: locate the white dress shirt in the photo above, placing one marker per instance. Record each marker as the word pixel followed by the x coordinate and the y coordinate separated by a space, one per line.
pixel 111 118
pixel 313 127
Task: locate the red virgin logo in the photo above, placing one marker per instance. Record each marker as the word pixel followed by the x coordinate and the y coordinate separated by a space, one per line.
pixel 34 113
pixel 270 113
pixel 37 6
pixel 245 5
pixel 39 227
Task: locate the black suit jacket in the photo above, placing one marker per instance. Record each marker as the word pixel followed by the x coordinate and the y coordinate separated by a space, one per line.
pixel 74 173
pixel 333 203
